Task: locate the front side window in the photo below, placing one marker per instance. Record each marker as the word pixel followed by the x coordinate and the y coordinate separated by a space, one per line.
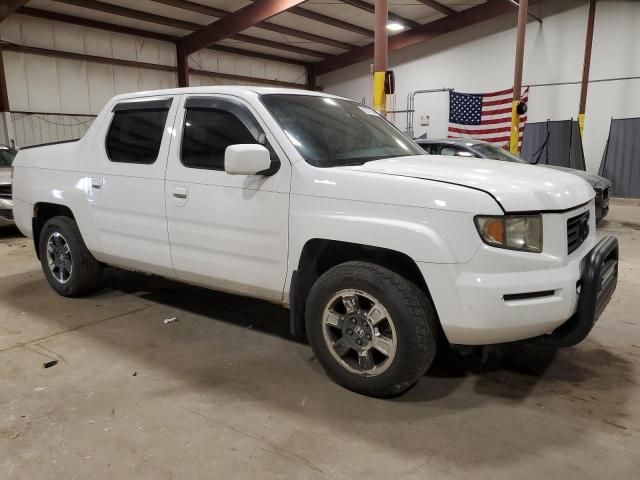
pixel 135 135
pixel 207 134
pixel 331 132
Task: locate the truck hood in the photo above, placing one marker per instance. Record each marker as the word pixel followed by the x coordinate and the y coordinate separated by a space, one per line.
pixel 516 187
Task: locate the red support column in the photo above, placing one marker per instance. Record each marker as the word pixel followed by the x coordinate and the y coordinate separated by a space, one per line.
pixel 183 64
pixel 587 65
pixel 517 78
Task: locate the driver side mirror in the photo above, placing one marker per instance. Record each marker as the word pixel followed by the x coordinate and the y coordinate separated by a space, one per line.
pixel 247 159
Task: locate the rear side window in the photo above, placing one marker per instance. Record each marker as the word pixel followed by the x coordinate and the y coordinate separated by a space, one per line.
pixel 207 134
pixel 135 135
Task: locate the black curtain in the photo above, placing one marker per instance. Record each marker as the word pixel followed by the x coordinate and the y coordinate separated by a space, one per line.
pixel 555 142
pixel 621 160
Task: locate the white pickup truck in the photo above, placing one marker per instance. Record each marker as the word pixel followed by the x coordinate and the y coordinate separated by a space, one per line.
pixel 317 203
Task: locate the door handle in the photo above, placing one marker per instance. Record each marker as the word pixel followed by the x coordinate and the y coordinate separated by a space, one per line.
pixel 96 182
pixel 180 192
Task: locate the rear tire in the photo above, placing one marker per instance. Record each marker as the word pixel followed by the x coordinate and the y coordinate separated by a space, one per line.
pixel 67 264
pixel 379 344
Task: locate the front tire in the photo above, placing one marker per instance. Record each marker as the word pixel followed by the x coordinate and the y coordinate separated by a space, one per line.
pixel 372 330
pixel 67 264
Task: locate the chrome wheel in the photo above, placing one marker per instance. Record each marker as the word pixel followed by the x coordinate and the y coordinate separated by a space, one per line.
pixel 59 257
pixel 359 332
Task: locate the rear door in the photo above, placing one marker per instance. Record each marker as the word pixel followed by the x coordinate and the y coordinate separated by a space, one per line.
pixel 228 232
pixel 127 186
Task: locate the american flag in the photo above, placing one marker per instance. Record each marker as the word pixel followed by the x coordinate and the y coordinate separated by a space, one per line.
pixel 485 116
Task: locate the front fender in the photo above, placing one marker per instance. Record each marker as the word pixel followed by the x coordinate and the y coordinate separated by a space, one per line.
pixel 424 235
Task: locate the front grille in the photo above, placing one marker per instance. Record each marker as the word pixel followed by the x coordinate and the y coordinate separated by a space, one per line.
pixel 5 191
pixel 577 231
pixel 6 214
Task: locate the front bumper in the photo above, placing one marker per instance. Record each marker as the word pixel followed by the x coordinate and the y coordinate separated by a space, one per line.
pixel 497 297
pixel 597 283
pixel 6 212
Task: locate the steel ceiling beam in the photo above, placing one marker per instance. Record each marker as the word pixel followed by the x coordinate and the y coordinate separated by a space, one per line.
pixel 271 27
pixel 423 33
pixel 183 25
pixel 110 27
pixel 236 22
pixel 367 7
pixel 4 96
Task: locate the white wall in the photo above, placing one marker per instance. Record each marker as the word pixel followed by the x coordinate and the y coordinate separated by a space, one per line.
pixel 481 58
pixel 45 85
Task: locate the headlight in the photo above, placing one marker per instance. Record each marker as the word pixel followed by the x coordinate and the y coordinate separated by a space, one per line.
pixel 515 232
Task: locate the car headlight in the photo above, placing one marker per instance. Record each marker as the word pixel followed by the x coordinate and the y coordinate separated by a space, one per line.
pixel 515 232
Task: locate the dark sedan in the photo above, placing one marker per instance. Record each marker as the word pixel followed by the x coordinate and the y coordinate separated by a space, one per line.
pixel 464 147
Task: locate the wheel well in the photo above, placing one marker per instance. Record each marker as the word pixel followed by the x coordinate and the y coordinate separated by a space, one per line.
pixel 319 255
pixel 43 212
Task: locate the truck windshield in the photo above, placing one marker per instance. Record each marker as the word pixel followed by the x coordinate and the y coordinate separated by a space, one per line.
pixel 330 132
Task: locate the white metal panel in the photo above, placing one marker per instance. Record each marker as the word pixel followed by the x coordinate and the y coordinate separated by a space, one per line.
pixel 101 86
pixel 124 48
pixel 10 30
pixel 66 37
pixel 148 51
pixel 42 82
pixel 166 51
pixel 238 65
pixel 98 43
pixel 15 74
pixel 39 33
pixel 125 80
pixel 73 86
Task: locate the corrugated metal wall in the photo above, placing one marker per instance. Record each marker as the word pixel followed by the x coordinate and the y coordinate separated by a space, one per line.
pixel 621 161
pixel 68 93
pixel 32 129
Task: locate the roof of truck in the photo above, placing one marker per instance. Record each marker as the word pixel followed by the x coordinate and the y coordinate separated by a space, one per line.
pixel 244 90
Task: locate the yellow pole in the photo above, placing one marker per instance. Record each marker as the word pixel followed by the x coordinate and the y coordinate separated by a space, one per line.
pixel 379 96
pixel 514 139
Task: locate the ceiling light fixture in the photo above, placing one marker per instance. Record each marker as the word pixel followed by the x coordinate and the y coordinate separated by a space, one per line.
pixel 395 27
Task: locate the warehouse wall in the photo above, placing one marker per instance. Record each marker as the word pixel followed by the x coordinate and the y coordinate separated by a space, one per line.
pixel 481 58
pixel 66 88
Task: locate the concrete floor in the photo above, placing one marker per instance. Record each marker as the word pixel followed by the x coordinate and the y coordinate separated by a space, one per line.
pixel 226 393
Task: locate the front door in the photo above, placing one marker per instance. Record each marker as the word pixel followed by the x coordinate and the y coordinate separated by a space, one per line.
pixel 228 232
